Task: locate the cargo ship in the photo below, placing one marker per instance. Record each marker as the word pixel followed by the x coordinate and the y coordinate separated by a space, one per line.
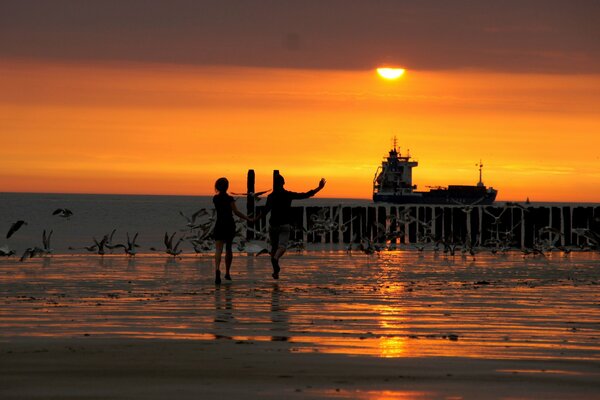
pixel 393 184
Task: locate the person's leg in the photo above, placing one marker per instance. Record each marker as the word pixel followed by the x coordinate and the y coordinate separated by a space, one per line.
pixel 282 242
pixel 279 253
pixel 274 237
pixel 218 251
pixel 228 259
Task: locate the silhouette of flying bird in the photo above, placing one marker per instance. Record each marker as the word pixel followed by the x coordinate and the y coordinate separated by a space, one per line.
pixel 15 227
pixel 191 221
pixel 63 212
pixel 46 242
pixel 256 195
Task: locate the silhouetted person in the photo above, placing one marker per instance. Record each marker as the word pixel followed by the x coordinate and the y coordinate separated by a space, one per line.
pixel 224 230
pixel 279 204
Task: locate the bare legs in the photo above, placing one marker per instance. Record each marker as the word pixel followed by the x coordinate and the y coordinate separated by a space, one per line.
pixel 228 259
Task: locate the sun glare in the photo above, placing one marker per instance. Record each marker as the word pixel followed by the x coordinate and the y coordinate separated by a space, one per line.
pixel 390 73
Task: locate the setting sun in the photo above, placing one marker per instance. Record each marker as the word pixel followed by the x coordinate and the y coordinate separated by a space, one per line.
pixel 390 73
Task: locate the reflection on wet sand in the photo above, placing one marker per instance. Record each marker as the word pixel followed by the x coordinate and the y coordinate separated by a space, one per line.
pixel 377 394
pixel 279 317
pixel 400 304
pixel 224 304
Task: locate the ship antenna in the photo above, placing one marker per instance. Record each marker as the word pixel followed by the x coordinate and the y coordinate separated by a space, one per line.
pixel 395 142
pixel 480 165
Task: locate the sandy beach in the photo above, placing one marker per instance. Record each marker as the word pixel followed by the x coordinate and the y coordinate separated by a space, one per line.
pixel 402 325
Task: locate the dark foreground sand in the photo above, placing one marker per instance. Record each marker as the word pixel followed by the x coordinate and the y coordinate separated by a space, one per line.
pixel 184 369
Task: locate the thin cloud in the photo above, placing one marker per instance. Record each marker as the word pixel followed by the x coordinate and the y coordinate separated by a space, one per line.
pixel 513 36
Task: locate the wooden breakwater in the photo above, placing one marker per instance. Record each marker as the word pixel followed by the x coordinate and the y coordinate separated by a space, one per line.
pixel 514 225
pixel 500 225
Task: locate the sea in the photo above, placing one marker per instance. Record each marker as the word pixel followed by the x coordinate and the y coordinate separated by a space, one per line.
pixel 394 304
pixel 96 215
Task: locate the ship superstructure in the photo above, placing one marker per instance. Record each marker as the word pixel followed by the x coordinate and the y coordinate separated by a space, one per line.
pixel 393 184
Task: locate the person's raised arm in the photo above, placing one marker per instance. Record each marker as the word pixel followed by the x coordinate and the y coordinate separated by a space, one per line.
pixel 310 193
pixel 322 183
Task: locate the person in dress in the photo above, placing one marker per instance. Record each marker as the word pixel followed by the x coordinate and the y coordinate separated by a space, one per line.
pixel 224 230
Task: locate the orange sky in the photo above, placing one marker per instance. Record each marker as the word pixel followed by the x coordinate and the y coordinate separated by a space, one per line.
pixel 166 129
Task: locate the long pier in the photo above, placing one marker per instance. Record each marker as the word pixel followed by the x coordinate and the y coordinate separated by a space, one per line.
pixel 519 226
pixel 501 225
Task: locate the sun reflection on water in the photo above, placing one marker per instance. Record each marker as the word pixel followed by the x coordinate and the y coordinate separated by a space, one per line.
pixel 397 305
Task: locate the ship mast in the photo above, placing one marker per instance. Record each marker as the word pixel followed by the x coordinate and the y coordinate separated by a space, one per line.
pixel 480 183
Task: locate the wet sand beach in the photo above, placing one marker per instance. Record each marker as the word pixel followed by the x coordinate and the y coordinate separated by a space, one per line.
pixel 402 325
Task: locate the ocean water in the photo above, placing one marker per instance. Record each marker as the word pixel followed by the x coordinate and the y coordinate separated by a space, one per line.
pixel 97 215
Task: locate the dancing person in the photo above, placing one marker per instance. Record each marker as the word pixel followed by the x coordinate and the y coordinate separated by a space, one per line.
pixel 224 230
pixel 279 204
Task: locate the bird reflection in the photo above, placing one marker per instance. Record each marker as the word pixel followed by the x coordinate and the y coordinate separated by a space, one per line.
pixel 131 263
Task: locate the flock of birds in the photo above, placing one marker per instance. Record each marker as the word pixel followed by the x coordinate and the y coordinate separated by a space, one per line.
pixel 198 228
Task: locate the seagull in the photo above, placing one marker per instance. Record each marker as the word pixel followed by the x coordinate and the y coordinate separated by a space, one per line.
pixel 191 221
pixel 15 227
pixel 109 241
pixel 516 205
pixel 262 251
pixel 5 251
pixel 130 248
pixel 256 195
pixel 495 217
pixel 31 252
pixel 63 212
pixel 170 249
pixel 99 245
pixel 592 237
pixel 46 242
pixel 88 248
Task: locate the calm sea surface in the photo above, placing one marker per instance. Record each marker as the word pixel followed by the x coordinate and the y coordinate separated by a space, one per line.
pixel 97 215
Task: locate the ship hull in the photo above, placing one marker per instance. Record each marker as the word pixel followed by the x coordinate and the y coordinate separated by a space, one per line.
pixel 452 195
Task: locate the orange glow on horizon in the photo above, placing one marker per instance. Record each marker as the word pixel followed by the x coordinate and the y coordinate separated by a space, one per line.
pixel 163 129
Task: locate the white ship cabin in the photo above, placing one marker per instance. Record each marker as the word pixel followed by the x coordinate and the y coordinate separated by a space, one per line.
pixel 394 176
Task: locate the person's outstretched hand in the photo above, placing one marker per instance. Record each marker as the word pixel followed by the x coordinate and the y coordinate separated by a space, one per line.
pixel 322 183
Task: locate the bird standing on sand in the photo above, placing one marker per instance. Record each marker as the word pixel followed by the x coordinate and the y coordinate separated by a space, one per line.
pixel 170 249
pixel 100 244
pixel 130 249
pixel 15 227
